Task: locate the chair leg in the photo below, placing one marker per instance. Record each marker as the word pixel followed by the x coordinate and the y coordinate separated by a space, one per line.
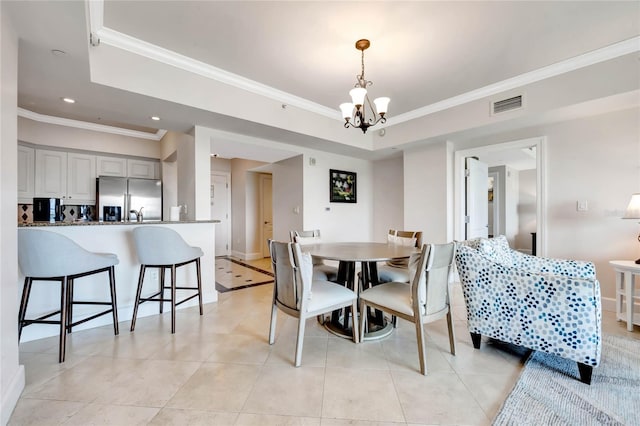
pixel 162 269
pixel 300 341
pixel 69 305
pixel 475 339
pixel 199 274
pixel 421 345
pixel 26 291
pixel 354 321
pixel 272 325
pixel 452 335
pixel 585 373
pixel 173 299
pixel 363 319
pixel 63 319
pixel 114 303
pixel 138 294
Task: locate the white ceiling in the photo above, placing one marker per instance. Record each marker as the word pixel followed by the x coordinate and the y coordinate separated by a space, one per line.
pixel 421 53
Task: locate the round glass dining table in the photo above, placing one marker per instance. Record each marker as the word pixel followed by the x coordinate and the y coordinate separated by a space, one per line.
pixel 348 254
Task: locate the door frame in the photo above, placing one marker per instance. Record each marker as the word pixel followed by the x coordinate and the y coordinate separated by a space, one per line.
pixel 263 246
pixel 541 188
pixel 227 175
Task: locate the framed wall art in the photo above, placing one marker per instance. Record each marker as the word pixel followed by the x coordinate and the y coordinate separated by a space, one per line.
pixel 342 186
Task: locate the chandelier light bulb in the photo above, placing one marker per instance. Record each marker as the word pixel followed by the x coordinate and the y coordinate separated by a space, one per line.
pixel 347 110
pixel 381 105
pixel 357 96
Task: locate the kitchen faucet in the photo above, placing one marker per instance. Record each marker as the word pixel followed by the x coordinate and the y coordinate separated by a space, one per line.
pixel 138 214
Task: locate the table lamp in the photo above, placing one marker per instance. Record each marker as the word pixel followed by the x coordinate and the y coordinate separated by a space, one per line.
pixel 633 211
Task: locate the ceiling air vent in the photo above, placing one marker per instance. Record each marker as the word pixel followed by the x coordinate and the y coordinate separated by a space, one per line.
pixel 507 105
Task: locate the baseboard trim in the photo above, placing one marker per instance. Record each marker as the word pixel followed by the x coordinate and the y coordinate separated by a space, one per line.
pixel 14 390
pixel 246 256
pixel 608 304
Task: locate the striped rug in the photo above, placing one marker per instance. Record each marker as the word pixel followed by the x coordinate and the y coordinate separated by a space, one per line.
pixel 549 393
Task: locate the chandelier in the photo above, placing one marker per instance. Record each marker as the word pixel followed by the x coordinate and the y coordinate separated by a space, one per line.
pixel 358 99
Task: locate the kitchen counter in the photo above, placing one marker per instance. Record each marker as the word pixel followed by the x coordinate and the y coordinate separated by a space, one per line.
pixel 117 237
pixel 97 223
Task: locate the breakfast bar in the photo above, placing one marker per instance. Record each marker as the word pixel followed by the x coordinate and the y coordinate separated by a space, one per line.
pixel 117 238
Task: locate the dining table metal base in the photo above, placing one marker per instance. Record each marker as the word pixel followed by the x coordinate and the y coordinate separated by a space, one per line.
pixel 374 331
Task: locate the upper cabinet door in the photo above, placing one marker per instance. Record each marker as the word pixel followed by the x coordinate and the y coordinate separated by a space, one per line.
pixel 26 174
pixel 111 166
pixel 51 174
pixel 143 169
pixel 81 178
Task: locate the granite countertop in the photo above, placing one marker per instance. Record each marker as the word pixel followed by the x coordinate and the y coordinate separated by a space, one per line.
pixel 97 223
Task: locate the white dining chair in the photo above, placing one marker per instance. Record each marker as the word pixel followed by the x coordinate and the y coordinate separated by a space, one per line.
pixel 425 300
pixel 397 270
pixel 297 294
pixel 49 256
pixel 321 270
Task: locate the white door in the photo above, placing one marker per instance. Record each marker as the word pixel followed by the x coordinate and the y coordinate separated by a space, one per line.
pixel 221 210
pixel 266 212
pixel 477 204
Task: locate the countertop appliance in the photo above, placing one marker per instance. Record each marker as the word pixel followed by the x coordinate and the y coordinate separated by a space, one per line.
pixel 47 210
pixel 118 196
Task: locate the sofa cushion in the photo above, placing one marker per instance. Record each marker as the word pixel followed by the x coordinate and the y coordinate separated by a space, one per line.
pixel 497 249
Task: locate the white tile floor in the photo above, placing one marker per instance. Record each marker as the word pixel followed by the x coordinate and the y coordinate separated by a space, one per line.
pixel 218 369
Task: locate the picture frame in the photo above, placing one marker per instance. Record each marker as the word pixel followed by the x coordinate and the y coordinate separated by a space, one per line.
pixel 343 186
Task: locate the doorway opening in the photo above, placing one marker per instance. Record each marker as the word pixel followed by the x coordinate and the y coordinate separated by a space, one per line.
pixel 504 224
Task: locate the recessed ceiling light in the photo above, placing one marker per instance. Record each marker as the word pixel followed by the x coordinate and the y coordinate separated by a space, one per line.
pixel 155 118
pixel 69 100
pixel 58 52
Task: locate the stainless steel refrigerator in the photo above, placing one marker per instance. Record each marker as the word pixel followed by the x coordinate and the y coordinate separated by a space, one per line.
pixel 118 196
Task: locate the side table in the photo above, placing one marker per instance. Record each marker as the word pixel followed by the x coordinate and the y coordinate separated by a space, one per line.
pixel 626 270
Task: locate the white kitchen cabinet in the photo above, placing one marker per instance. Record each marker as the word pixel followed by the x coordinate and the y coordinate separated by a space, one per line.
pixel 81 178
pixel 51 174
pixel 68 176
pixel 111 166
pixel 26 174
pixel 143 169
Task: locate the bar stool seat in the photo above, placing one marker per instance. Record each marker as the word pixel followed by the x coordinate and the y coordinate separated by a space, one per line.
pixel 164 248
pixel 49 256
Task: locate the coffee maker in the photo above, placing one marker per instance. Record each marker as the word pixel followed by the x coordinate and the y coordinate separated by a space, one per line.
pixel 112 213
pixel 47 210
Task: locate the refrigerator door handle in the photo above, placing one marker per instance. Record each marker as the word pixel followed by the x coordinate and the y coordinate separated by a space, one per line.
pixel 127 202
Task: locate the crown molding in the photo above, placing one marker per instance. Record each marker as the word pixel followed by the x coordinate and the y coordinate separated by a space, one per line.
pixel 85 125
pixel 169 57
pixel 590 58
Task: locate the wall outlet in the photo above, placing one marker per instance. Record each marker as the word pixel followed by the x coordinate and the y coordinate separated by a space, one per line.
pixel 582 206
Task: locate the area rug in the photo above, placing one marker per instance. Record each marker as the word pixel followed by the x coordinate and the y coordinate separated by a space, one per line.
pixel 549 393
pixel 233 274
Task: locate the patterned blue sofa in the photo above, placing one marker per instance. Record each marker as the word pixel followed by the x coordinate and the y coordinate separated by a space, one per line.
pixel 548 305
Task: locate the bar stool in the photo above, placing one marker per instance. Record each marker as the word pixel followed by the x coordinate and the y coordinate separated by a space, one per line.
pixel 164 248
pixel 48 256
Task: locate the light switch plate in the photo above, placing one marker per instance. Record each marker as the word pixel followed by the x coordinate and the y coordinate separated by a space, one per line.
pixel 582 206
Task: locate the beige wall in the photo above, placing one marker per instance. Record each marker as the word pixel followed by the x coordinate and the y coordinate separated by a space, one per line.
pixel 11 373
pixel 388 197
pixel 427 186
